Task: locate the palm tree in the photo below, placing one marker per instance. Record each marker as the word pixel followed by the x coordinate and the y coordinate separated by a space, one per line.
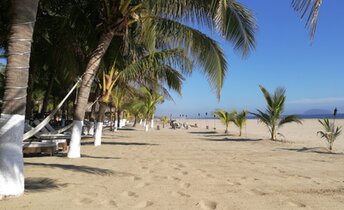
pixel 226 117
pixel 231 19
pixel 13 109
pixel 164 120
pixel 330 132
pixel 240 120
pixel 273 117
pixel 312 8
pixel 150 100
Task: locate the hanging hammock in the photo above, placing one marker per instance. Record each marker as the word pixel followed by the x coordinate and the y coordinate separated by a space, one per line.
pixel 41 125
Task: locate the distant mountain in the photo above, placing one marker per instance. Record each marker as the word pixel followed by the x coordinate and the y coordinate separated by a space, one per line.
pixel 317 112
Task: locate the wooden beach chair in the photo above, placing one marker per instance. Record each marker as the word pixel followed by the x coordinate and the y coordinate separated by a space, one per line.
pixel 39 147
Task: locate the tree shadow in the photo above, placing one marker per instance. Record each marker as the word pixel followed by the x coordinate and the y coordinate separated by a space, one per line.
pixel 39 184
pixel 232 140
pixel 202 132
pixel 76 168
pixel 218 135
pixel 97 157
pixel 122 143
pixel 318 150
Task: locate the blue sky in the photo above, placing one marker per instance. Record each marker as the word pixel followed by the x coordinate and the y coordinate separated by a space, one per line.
pixel 313 75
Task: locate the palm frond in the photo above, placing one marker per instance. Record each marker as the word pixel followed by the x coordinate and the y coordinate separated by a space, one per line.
pixel 263 117
pixel 288 119
pixel 205 51
pixel 237 24
pixel 302 7
pixel 267 96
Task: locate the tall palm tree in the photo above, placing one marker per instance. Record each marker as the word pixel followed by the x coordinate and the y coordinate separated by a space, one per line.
pixel 273 116
pixel 231 19
pixel 240 120
pixel 13 109
pixel 225 117
pixel 312 8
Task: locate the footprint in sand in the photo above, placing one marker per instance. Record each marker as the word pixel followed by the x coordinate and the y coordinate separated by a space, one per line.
pixel 129 194
pixel 233 183
pixel 180 194
pixel 160 177
pixel 177 169
pixel 296 204
pixel 257 192
pixel 111 203
pixel 144 167
pixel 183 173
pixel 141 185
pixel 143 204
pixel 180 165
pixel 201 170
pixel 207 205
pixel 134 178
pixel 174 178
pixel 184 185
pixel 84 201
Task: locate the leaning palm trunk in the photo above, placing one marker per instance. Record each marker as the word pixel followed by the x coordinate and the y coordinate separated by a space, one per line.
pixel 84 92
pixel 13 114
pixel 99 125
pixel 226 131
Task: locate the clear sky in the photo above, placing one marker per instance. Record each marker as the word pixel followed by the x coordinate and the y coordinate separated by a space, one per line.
pixel 313 75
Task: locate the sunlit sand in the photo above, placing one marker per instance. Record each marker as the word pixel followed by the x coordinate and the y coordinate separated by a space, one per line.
pixel 191 169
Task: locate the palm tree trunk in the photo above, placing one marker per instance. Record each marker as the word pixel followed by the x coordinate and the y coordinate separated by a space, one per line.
pixel 13 112
pixel 48 93
pixel 84 92
pixel 29 102
pixel 99 124
pixel 226 131
pixel 118 118
pixel 135 121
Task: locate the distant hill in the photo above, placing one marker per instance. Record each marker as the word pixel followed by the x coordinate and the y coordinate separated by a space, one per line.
pixel 317 112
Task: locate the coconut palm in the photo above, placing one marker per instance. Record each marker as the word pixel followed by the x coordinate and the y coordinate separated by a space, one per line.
pixel 225 117
pixel 149 100
pixel 231 19
pixel 273 116
pixel 330 132
pixel 312 8
pixel 240 120
pixel 164 120
pixel 13 109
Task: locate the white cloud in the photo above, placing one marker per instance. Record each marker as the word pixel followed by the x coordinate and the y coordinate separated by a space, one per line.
pixel 329 100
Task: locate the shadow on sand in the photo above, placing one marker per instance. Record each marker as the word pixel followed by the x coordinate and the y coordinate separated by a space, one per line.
pixel 75 168
pixel 97 157
pixel 203 132
pixel 122 143
pixel 232 140
pixel 318 150
pixel 39 184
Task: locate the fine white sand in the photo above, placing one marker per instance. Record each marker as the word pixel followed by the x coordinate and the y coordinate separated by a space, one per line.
pixel 191 169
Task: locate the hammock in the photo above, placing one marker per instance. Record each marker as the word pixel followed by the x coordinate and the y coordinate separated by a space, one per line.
pixel 51 115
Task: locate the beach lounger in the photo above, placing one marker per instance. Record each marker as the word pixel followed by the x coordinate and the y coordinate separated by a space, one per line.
pixel 39 147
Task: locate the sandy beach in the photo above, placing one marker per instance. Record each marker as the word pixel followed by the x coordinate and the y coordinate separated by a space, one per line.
pixel 191 169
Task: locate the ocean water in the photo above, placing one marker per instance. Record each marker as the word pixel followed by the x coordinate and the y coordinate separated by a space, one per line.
pixel 302 116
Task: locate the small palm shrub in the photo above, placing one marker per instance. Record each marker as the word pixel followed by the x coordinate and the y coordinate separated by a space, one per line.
pixel 272 117
pixel 240 120
pixel 164 120
pixel 225 117
pixel 330 132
